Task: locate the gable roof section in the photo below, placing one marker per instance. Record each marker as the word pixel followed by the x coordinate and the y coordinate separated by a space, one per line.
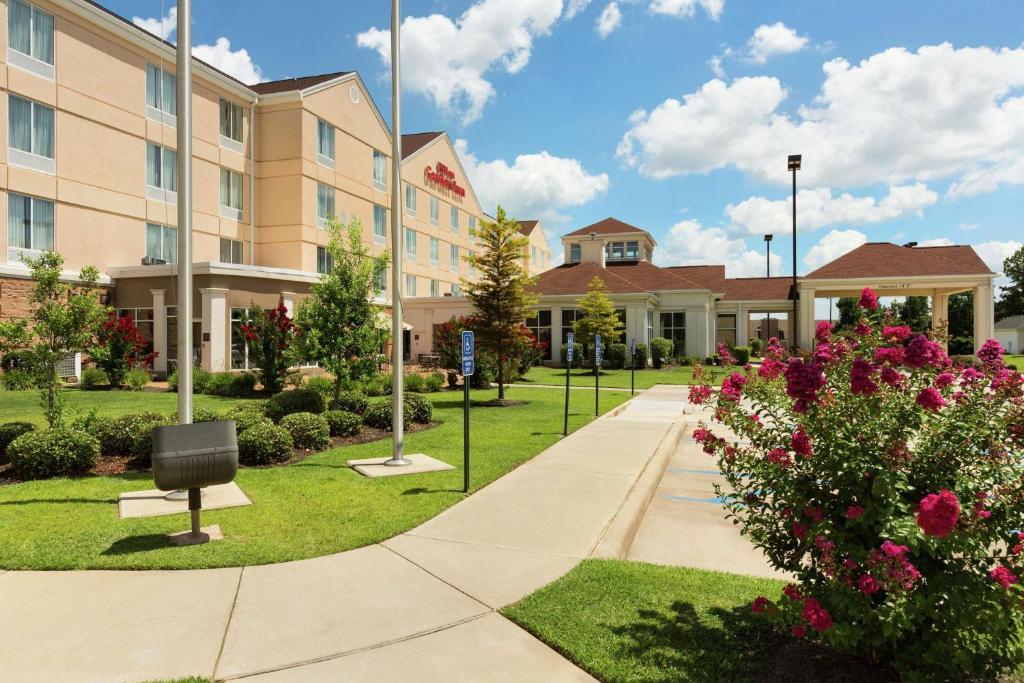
pixel 608 226
pixel 707 276
pixel 298 83
pixel 650 277
pixel 574 278
pixel 757 288
pixel 1013 322
pixel 526 227
pixel 414 142
pixel 885 259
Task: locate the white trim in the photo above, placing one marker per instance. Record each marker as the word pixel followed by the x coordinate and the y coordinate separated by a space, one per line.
pixel 231 213
pixel 158 194
pixel 33 162
pixel 160 116
pixel 325 161
pixel 21 272
pixel 231 143
pixel 216 268
pixel 31 64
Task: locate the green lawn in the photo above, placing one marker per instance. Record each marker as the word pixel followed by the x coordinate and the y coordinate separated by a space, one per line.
pixel 308 509
pixel 1016 360
pixel 645 379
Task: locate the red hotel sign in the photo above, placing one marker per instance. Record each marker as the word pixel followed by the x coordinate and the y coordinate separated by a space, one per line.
pixel 444 178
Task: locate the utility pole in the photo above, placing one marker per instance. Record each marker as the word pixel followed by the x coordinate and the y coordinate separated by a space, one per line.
pixel 794 166
pixel 184 181
pixel 768 273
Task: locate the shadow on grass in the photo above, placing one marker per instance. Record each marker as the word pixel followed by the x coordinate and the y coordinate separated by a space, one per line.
pixel 734 645
pixel 60 501
pixel 137 544
pixel 420 490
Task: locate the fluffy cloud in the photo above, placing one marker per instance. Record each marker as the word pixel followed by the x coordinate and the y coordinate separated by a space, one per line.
pixel 818 208
pixel 936 242
pixel 939 112
pixel 833 245
pixel 574 7
pixel 237 63
pixel 534 186
pixel 770 40
pixel 448 60
pixel 689 243
pixel 993 253
pixel 609 20
pixel 684 9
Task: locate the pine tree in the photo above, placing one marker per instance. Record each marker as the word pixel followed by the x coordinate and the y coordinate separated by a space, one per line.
pixel 598 318
pixel 501 295
pixel 1011 301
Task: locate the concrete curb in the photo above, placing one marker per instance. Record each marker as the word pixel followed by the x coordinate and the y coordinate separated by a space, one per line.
pixel 618 536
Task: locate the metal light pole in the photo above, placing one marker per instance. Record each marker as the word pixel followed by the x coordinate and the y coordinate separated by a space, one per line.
pixel 768 273
pixel 794 166
pixel 184 181
pixel 397 431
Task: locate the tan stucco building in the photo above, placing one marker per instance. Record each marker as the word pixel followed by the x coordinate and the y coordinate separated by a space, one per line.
pixel 90 172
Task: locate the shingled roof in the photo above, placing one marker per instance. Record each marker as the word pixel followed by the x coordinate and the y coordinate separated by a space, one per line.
pixel 707 276
pixel 885 259
pixel 622 277
pixel 414 142
pixel 298 83
pixel 607 226
pixel 757 288
pixel 526 227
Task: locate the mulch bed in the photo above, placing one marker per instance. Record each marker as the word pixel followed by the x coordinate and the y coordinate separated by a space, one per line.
pixel 499 403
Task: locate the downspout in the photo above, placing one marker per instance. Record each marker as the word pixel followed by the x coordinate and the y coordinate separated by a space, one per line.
pixel 252 180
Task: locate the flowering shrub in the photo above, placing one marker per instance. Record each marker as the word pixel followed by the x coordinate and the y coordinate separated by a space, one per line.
pixel 119 347
pixel 268 334
pixel 889 483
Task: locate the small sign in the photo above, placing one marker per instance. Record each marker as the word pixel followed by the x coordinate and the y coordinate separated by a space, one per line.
pixel 568 346
pixel 632 346
pixel 468 344
pixel 597 348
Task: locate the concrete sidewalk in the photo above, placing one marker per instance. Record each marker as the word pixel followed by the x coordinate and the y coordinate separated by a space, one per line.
pixel 420 606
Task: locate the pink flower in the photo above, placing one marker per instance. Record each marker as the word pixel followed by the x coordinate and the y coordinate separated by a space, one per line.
pixel 980 512
pixel 854 512
pixel 814 514
pixel 700 393
pixel 868 300
pixel 801 443
pixel 862 329
pixel 800 530
pixel 816 615
pixel 891 376
pixel 770 368
pixel 868 585
pixel 944 379
pixel 991 353
pixel 792 592
pixel 860 377
pixel 823 331
pixel 971 375
pixel 937 513
pixel 760 605
pixel 803 381
pixel 798 631
pixel 1003 576
pixel 896 333
pixel 732 386
pixel 923 352
pixel 889 354
pixel 930 399
pixel 780 456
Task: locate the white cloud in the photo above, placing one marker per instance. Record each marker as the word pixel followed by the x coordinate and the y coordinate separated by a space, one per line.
pixel 609 20
pixel 770 40
pixel 832 246
pixel 993 253
pixel 939 112
pixel 448 61
pixel 684 9
pixel 968 226
pixel 715 64
pixel 534 186
pixel 936 242
pixel 574 7
pixel 689 243
pixel 818 208
pixel 237 63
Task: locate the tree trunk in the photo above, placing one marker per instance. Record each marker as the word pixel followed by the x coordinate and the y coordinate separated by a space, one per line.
pixel 501 374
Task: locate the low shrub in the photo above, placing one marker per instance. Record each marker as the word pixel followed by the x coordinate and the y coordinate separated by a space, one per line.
pixel 93 378
pixel 414 382
pixel 420 409
pixel 300 400
pixel 308 430
pixel 54 453
pixel 964 361
pixel 577 355
pixel 263 444
pixel 615 356
pixel 136 379
pixel 230 384
pixel 257 406
pixel 244 419
pixel 378 385
pixel 433 382
pixel 10 431
pixel 119 436
pixel 142 438
pixel 741 354
pixel 688 361
pixel 200 415
pixel 322 384
pixel 343 423
pixel 378 414
pixel 17 380
pixel 200 381
pixel 711 360
pixel 640 358
pixel 756 346
pixel 661 350
pixel 961 346
pixel 350 402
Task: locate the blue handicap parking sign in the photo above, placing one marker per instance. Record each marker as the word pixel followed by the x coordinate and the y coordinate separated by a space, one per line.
pixel 568 347
pixel 597 348
pixel 632 346
pixel 468 346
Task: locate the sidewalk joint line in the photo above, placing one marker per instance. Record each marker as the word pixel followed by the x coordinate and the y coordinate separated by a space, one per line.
pixel 444 581
pixel 492 545
pixel 227 626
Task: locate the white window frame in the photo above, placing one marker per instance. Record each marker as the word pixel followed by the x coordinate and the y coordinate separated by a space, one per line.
pixel 435 251
pixel 233 207
pixel 26 61
pixel 324 258
pixel 410 199
pixel 455 218
pixel 380 170
pixel 533 255
pixel 160 113
pixel 456 289
pixel 410 245
pixel 410 285
pixel 435 210
pixel 435 288
pixel 575 253
pixel 28 158
pixel 472 228
pixel 164 229
pixel 160 192
pixel 469 263
pixel 325 194
pixel 325 130
pixel 235 111
pixel 453 254
pixel 14 254
pixel 380 236
pixel 234 248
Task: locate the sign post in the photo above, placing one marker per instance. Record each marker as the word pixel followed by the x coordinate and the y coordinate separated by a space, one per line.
pixel 468 366
pixel 632 364
pixel 597 372
pixel 568 364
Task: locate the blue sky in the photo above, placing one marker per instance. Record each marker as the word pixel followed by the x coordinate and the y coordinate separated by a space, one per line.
pixel 677 115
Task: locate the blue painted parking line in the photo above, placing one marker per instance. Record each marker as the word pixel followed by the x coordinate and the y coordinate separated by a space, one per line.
pixel 688 471
pixel 717 500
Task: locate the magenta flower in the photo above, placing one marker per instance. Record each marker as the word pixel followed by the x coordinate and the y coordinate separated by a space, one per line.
pixel 800 530
pixel 732 386
pixel 803 381
pixel 923 352
pixel 868 584
pixel 891 376
pixel 780 456
pixel 896 333
pixel 770 368
pixel 816 615
pixel 823 332
pixel 930 399
pixel 868 300
pixel 798 631
pixel 991 353
pixel 860 377
pixel 792 592
pixel 700 393
pixel 760 605
pixel 889 354
pixel 854 512
pixel 938 513
pixel 944 379
pixel 1003 576
pixel 801 443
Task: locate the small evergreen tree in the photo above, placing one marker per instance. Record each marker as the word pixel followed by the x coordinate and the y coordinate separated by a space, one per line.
pixel 339 326
pixel 848 314
pixel 1011 301
pixel 501 295
pixel 63 318
pixel 598 318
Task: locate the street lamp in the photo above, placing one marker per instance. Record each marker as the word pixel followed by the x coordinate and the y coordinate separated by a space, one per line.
pixel 768 273
pixel 794 166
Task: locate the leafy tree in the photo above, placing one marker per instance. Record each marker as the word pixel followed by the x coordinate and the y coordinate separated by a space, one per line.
pixel 1011 301
pixel 118 348
pixel 63 318
pixel 500 296
pixel 269 335
pixel 848 314
pixel 598 318
pixel 914 311
pixel 338 325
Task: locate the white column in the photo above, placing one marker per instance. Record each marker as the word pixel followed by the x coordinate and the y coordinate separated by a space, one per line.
pixel 159 331
pixel 805 318
pixel 214 328
pixel 742 325
pixel 940 310
pixel 289 302
pixel 984 314
pixel 556 335
pixel 710 331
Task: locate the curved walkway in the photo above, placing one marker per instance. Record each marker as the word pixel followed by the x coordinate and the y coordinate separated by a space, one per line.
pixel 420 606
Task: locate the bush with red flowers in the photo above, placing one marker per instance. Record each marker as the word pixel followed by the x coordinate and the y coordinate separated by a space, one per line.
pixel 119 347
pixel 890 483
pixel 268 335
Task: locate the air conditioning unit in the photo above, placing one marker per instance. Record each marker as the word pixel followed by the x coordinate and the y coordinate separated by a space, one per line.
pixel 152 261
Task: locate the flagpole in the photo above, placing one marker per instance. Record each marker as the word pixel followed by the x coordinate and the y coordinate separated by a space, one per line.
pixel 184 187
pixel 397 431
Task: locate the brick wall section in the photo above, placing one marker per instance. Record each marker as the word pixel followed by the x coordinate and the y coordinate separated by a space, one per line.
pixel 14 297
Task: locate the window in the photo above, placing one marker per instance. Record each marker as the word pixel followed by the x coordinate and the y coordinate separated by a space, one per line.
pixel 172 339
pixel 380 280
pixel 621 312
pixel 533 256
pixel 324 204
pixel 161 173
pixel 380 170
pixel 574 253
pixel 455 258
pixel 161 95
pixel 472 228
pixel 162 242
pixel 230 194
pixel 380 224
pixel 673 326
pixel 727 330
pixel 435 288
pixel 231 123
pixel 456 290
pixel 435 250
pixel 29 223
pixel 569 316
pixel 540 326
pixel 324 261
pixel 455 219
pixel 230 250
pixel 410 199
pixel 30 34
pixel 633 250
pixel 410 285
pixel 410 244
pixel 435 210
pixel 143 319
pixel 30 134
pixel 239 344
pixel 471 263
pixel 650 325
pixel 325 143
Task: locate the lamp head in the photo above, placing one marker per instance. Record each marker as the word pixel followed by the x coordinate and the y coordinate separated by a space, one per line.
pixel 794 162
pixel 768 238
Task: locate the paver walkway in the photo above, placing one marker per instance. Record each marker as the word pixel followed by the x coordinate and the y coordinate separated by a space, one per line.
pixel 420 606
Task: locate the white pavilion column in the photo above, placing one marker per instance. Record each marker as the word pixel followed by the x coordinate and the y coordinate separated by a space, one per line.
pixel 806 320
pixel 984 314
pixel 159 331
pixel 289 302
pixel 940 310
pixel 214 328
pixel 742 325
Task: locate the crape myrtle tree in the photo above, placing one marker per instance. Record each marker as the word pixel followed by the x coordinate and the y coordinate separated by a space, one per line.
pixel 62 320
pixel 501 296
pixel 118 348
pixel 269 335
pixel 1011 301
pixel 598 317
pixel 338 325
